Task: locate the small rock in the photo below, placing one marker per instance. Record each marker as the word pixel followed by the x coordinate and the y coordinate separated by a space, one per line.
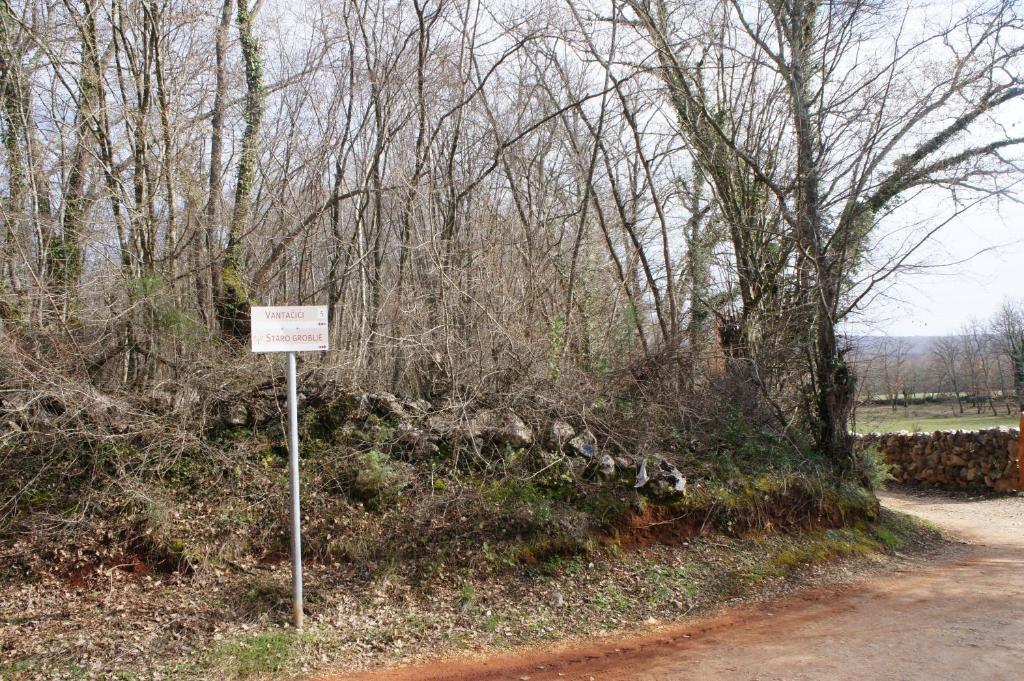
pixel 502 427
pixel 669 474
pixel 585 445
pixel 419 442
pixel 236 414
pixel 384 404
pixel 560 434
pixel 606 466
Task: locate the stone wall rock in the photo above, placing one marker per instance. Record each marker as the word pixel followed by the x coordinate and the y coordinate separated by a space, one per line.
pixel 968 459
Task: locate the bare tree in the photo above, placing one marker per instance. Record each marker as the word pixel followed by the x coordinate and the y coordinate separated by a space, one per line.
pixel 494 199
pixel 859 134
pixel 233 299
pixel 1008 328
pixel 947 354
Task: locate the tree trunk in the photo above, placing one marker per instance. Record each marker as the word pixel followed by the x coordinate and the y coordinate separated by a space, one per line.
pixel 12 117
pixel 64 255
pixel 699 254
pixel 833 382
pixel 210 290
pixel 233 301
pixel 1018 377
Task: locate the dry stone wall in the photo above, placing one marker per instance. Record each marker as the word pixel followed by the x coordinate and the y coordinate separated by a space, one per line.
pixel 952 458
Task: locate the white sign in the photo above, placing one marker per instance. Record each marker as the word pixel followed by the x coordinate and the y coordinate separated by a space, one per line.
pixel 289 328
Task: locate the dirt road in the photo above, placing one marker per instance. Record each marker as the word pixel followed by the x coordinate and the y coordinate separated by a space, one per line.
pixel 955 619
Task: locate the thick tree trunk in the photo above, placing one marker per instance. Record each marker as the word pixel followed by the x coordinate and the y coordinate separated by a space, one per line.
pixel 233 301
pixel 834 393
pixel 817 276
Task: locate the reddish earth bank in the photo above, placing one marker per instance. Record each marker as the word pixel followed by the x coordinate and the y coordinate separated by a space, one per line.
pixel 960 618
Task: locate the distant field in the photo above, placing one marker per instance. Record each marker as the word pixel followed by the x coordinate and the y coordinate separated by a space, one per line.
pixel 926 417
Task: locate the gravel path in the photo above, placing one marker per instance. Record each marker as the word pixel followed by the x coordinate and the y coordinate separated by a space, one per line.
pixel 960 618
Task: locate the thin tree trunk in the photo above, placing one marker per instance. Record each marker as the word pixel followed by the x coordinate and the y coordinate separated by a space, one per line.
pixel 65 257
pixel 211 288
pixel 12 117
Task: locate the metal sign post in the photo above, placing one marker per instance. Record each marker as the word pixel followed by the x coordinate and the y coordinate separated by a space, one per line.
pixel 292 329
pixel 1020 455
pixel 293 475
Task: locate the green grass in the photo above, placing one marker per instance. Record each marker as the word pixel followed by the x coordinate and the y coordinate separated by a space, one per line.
pixel 892 532
pixel 34 669
pixel 15 670
pixel 666 583
pixel 258 655
pixel 927 418
pixel 492 622
pixel 821 549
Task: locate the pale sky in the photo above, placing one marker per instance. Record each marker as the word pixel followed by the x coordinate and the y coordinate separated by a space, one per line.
pixel 937 301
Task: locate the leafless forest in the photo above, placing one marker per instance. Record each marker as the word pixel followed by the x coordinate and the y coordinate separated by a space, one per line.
pixel 589 264
pixel 497 200
pixel 975 370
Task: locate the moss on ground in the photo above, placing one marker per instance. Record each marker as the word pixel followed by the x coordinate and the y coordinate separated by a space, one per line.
pixel 396 540
pixel 604 591
pixel 231 624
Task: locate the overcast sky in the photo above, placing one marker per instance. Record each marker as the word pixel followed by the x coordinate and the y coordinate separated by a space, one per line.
pixel 937 301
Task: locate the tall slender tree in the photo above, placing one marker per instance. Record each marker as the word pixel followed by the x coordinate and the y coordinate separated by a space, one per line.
pixel 233 300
